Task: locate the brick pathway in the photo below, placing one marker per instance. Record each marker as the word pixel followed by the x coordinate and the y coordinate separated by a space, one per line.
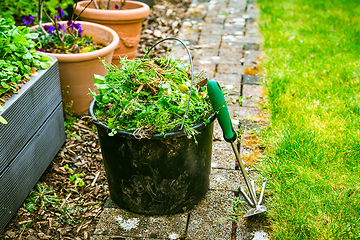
pixel 224 41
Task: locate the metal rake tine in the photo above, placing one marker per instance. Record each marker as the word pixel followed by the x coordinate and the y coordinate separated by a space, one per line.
pixel 262 191
pixel 246 197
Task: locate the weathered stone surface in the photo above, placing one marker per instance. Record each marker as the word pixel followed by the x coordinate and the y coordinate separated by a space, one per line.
pixel 231 50
pixel 249 79
pixel 230 82
pixel 116 221
pixel 252 8
pixel 204 65
pixel 251 57
pixel 252 94
pixel 253 228
pixel 222 154
pixel 234 110
pixel 230 29
pixel 248 125
pixel 252 46
pixel 230 68
pixel 210 219
pixel 211 40
pixel 189 35
pixel 248 112
pixel 205 51
pixel 196 10
pixel 231 40
pixel 221 179
pixel 252 31
pixel 239 4
pixel 179 52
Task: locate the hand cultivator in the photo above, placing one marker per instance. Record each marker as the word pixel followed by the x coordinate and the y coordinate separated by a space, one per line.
pixel 222 114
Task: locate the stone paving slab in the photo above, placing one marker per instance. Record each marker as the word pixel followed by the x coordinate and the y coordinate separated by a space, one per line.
pixel 249 79
pixel 252 31
pixel 252 228
pixel 210 219
pixel 189 35
pixel 206 51
pixel 252 94
pixel 212 40
pixel 223 179
pixel 248 112
pixel 223 156
pixel 230 68
pixel 179 52
pixel 119 222
pixel 251 57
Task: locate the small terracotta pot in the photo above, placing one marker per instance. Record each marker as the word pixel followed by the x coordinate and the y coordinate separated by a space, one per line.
pixel 77 70
pixel 126 23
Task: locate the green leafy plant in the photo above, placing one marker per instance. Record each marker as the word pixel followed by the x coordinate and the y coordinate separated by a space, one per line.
pixel 17 10
pixel 238 209
pixel 41 195
pixel 58 37
pixel 69 118
pixel 75 178
pixel 68 215
pixel 147 96
pixel 18 58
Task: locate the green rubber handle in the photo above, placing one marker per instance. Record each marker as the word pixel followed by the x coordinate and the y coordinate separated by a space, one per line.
pixel 221 111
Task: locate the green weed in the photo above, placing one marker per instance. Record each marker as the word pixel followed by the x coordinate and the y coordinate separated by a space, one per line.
pixel 75 178
pixel 40 196
pixel 150 96
pixel 238 209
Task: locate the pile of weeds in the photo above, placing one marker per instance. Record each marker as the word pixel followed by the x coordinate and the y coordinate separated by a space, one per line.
pixel 148 96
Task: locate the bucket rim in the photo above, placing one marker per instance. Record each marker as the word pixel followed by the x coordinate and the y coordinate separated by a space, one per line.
pixel 127 134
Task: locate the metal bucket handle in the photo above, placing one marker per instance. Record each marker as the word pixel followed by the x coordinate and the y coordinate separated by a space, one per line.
pixel 192 71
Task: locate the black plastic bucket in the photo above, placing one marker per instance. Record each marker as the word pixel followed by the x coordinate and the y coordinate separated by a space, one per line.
pixel 160 175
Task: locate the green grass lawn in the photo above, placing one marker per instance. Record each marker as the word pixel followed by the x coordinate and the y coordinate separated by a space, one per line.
pixel 312 78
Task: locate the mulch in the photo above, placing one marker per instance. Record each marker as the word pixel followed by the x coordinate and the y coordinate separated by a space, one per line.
pixel 77 213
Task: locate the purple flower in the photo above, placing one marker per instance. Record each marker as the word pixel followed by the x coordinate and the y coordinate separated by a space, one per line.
pixel 77 26
pixel 87 42
pixel 61 27
pixel 50 29
pixel 28 20
pixel 117 6
pixel 57 17
pixel 70 23
pixel 39 50
pixel 80 32
pixel 60 11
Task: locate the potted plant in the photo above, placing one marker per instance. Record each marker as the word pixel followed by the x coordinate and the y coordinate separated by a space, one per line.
pixel 31 115
pixel 125 18
pixel 77 46
pixel 155 129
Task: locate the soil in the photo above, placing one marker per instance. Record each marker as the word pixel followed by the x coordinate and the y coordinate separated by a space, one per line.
pixel 78 208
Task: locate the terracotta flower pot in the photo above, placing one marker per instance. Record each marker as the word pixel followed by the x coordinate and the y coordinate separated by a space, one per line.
pixel 77 70
pixel 126 23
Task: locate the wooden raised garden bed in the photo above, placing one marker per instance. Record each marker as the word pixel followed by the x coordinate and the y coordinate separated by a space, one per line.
pixel 31 139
